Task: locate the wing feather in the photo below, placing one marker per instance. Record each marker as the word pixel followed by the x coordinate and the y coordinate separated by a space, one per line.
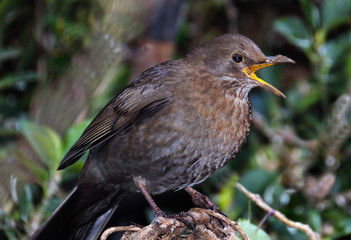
pixel 134 104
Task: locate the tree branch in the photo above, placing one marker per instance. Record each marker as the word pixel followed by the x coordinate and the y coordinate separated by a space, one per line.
pixel 278 215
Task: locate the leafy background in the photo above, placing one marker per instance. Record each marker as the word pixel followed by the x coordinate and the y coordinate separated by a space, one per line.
pixel 61 61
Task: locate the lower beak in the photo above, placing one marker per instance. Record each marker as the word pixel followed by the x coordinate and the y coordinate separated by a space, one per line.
pixel 250 72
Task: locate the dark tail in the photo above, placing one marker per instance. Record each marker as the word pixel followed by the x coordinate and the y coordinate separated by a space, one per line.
pixel 82 215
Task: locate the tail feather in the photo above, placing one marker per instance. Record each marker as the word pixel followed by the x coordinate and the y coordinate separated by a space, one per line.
pixel 81 215
pixel 93 229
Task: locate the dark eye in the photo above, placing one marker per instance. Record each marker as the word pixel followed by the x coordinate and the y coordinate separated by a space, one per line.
pixel 237 58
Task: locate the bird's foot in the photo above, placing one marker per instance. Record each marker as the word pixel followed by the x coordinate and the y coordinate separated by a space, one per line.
pixel 184 217
pixel 202 200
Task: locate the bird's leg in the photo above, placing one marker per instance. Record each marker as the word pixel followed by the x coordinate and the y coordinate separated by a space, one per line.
pixel 202 201
pixel 183 217
pixel 141 185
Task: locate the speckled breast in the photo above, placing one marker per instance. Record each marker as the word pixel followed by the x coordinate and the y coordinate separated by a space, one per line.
pixel 185 143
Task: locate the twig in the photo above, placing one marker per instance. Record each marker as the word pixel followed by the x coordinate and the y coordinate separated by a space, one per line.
pixel 111 230
pixel 278 215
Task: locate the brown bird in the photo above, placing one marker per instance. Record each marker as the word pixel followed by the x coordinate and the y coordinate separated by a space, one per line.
pixel 172 127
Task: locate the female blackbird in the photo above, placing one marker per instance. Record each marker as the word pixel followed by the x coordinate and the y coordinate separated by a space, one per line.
pixel 172 127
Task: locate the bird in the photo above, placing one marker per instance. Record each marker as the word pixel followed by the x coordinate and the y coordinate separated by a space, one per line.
pixel 172 127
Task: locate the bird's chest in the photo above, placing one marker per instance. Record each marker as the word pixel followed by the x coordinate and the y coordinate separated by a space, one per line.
pixel 201 137
pixel 225 124
pixel 184 143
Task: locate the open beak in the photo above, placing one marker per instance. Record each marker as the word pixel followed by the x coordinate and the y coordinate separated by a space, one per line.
pixel 250 72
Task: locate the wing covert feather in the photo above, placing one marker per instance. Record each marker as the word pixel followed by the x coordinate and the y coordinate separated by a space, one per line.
pixel 134 104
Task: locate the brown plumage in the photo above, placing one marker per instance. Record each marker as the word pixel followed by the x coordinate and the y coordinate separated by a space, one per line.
pixel 173 127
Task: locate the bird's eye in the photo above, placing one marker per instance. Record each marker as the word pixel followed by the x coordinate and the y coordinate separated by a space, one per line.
pixel 237 57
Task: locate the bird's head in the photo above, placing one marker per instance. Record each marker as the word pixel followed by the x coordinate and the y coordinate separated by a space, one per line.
pixel 236 58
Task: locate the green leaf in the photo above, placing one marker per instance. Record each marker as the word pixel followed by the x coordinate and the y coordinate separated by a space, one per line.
pixel 226 196
pixel 253 232
pixel 284 232
pixel 11 53
pixel 345 224
pixel 46 143
pixel 295 31
pixel 335 13
pixel 74 133
pixel 52 205
pixel 12 80
pixel 302 101
pixel 39 172
pixel 315 219
pixel 255 181
pixel 26 203
pixel 311 13
pixel 334 50
pixel 23 199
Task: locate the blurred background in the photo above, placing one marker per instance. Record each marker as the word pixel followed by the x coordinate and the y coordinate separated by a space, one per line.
pixel 61 62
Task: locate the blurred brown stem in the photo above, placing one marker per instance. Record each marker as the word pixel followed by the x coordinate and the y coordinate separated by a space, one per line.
pixel 286 135
pixel 257 199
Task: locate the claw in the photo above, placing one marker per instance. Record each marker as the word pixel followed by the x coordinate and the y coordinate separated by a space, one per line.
pixel 202 201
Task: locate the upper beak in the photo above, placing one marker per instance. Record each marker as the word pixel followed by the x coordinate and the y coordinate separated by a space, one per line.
pixel 250 72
